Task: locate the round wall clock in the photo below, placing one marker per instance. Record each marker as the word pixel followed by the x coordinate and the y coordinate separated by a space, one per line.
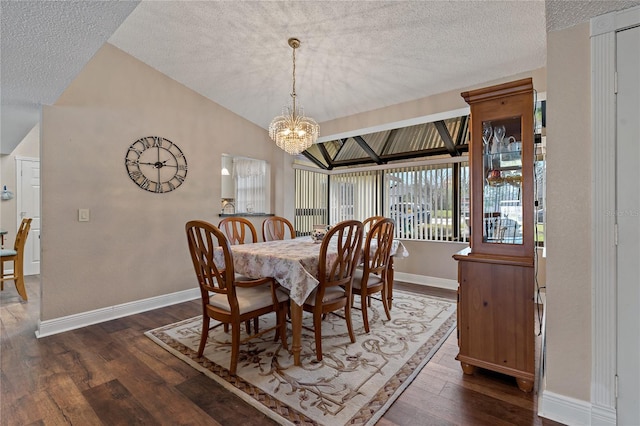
pixel 156 164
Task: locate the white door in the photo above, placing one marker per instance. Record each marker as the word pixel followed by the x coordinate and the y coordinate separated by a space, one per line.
pixel 28 202
pixel 628 219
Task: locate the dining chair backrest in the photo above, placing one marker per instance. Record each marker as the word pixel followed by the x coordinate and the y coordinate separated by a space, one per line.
pixel 277 228
pixel 335 277
pixel 17 257
pixel 377 247
pixel 238 230
pixel 203 238
pixel 347 235
pixel 370 221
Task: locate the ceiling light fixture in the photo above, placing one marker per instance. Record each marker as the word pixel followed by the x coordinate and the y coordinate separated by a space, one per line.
pixel 292 131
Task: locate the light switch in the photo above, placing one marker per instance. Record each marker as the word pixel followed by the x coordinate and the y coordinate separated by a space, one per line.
pixel 83 215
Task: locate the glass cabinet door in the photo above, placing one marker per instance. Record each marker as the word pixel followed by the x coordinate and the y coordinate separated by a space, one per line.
pixel 502 172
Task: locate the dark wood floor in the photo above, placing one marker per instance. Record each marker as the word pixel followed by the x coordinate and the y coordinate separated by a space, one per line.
pixel 112 374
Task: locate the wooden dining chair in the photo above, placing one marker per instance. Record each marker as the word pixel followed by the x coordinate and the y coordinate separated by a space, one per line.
pixel 224 297
pixel 275 228
pixel 373 277
pixel 238 230
pixel 335 276
pixel 370 221
pixel 17 257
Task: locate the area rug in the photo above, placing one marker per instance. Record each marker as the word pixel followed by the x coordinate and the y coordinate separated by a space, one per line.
pixel 354 384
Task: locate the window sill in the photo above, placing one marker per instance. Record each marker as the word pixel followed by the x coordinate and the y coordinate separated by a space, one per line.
pixel 245 214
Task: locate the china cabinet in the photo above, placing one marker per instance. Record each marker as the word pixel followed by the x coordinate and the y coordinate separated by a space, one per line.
pixel 496 273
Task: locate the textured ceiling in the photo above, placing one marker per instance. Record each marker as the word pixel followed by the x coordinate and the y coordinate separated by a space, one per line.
pixel 45 44
pixel 355 55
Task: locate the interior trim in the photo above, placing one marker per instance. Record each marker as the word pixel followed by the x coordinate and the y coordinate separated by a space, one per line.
pixel 83 319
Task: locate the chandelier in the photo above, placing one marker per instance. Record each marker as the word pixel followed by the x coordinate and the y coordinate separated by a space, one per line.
pixel 292 131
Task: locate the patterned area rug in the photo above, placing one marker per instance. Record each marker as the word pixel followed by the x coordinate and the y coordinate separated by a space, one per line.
pixel 353 384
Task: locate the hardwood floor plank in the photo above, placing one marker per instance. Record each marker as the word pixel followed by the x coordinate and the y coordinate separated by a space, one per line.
pixel 140 379
pixel 221 404
pixel 144 349
pixel 115 405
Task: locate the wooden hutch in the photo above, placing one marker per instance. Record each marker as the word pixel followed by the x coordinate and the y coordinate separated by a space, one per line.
pixel 496 273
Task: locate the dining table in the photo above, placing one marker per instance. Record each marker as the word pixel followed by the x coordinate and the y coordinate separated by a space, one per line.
pixel 293 263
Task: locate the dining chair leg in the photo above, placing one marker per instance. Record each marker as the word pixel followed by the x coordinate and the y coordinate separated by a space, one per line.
pixel 347 317
pixel 282 330
pixel 317 327
pixel 20 287
pixel 385 302
pixel 203 335
pixel 365 313
pixel 1 275
pixel 235 348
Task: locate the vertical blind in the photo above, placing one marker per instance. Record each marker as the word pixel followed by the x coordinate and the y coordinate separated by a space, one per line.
pixel 354 196
pixel 427 202
pixel 311 200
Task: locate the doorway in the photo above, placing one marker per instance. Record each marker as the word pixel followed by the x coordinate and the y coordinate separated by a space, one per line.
pixel 28 205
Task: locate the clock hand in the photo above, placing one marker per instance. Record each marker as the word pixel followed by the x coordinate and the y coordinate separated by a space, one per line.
pixel 157 165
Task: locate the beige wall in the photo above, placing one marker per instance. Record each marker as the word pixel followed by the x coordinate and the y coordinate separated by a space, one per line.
pixel 134 246
pixel 28 148
pixel 442 103
pixel 569 212
pixel 431 259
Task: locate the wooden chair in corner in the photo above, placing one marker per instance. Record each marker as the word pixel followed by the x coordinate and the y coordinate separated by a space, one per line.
pixel 277 228
pixel 334 290
pixel 227 299
pixel 17 257
pixel 372 278
pixel 238 230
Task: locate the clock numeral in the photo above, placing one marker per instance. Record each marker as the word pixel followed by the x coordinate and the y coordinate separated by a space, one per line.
pixel 132 162
pixel 171 186
pixel 135 174
pixel 180 178
pixel 159 188
pixel 157 142
pixel 137 151
pixel 182 167
pixel 145 183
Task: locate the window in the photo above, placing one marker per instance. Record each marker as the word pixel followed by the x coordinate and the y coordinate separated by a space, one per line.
pixel 421 201
pixel 311 199
pixel 246 186
pixel 424 200
pixel 354 196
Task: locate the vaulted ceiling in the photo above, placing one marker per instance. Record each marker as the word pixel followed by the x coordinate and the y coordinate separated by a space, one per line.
pixel 355 56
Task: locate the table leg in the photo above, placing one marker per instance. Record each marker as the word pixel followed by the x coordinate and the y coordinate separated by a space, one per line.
pixel 296 329
pixel 390 273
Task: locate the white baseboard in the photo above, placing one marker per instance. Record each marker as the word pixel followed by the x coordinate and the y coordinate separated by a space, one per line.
pixel 566 410
pixel 425 280
pixel 83 319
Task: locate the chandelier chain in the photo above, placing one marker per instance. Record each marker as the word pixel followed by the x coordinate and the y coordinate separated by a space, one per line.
pixel 293 93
